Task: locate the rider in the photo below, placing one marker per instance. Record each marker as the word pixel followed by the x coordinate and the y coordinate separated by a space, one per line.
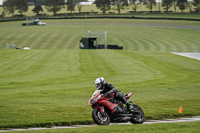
pixel 108 88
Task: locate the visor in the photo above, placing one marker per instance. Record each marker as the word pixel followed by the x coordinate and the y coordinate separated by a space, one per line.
pixel 98 85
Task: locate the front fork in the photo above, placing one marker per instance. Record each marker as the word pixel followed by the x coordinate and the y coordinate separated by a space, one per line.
pixel 101 108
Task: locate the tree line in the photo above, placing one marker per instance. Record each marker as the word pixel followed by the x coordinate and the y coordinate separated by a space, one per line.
pixel 105 5
pixel 10 6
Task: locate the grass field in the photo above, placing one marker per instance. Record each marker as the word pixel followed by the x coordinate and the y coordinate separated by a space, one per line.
pixel 191 127
pixel 51 83
pixel 135 35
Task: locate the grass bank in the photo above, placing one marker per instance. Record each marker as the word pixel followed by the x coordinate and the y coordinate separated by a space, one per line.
pixel 52 87
pixel 51 83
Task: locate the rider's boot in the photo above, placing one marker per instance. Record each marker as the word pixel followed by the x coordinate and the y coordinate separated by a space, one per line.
pixel 128 105
pixel 121 97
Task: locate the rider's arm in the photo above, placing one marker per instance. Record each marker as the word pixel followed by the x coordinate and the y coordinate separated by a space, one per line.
pixel 110 89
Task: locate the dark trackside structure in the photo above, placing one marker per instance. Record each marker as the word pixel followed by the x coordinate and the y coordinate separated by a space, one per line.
pixel 92 42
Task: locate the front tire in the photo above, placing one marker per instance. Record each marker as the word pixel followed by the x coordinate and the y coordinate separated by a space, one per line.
pixel 137 115
pixel 100 118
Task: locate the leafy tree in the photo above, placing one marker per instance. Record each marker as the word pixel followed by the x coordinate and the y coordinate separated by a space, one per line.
pixel 120 4
pixel 189 5
pixel 135 4
pixel 167 4
pixel 54 5
pixel 3 14
pixel 182 4
pixel 103 5
pixel 12 5
pixel 9 6
pixel 79 5
pixel 21 6
pixel 37 9
pixel 71 5
pixel 150 4
pixel 38 6
pixel 159 5
pixel 175 4
pixel 196 3
pixel 37 2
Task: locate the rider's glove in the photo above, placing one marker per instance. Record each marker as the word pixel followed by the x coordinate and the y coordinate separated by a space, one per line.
pixel 108 93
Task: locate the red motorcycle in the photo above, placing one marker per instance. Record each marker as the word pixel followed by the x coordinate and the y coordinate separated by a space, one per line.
pixel 108 110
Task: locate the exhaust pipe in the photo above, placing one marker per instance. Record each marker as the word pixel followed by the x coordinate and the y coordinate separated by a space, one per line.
pixel 125 119
pixel 127 115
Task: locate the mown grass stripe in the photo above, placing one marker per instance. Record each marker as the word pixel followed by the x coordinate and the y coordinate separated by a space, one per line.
pixel 119 42
pixel 59 41
pixel 195 45
pixel 43 41
pixel 65 65
pixel 63 42
pixel 22 71
pixel 9 38
pixel 13 66
pixel 135 44
pixel 92 68
pixel 145 44
pixel 158 41
pixel 69 43
pixel 168 43
pixel 125 44
pixel 139 44
pixel 155 46
pixel 186 47
pixel 28 40
pixel 66 44
pixel 20 37
pixel 187 41
pixel 129 43
pixel 53 42
pixel 182 46
pixel 37 42
pixel 76 43
pixel 48 41
pixel 16 38
pixel 3 41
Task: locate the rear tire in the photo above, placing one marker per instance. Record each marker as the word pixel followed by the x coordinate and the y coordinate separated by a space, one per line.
pixel 100 118
pixel 138 115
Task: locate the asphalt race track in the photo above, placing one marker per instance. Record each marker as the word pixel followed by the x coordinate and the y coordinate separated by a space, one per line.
pixel 189 119
pixel 189 55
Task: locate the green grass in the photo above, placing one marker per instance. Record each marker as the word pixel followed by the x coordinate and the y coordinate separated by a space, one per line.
pixel 192 127
pixel 51 83
pixel 135 35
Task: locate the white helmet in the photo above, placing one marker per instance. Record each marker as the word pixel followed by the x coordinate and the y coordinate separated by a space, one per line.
pixel 99 82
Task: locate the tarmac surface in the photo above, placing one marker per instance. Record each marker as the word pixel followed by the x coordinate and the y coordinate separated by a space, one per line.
pixel 189 55
pixel 189 119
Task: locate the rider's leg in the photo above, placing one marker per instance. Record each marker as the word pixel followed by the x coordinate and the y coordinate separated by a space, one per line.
pixel 120 96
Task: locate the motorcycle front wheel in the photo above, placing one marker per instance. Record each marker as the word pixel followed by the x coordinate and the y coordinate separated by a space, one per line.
pixel 100 118
pixel 137 115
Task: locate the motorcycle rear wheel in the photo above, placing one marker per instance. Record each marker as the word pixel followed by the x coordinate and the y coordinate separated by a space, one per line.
pixel 137 118
pixel 100 118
